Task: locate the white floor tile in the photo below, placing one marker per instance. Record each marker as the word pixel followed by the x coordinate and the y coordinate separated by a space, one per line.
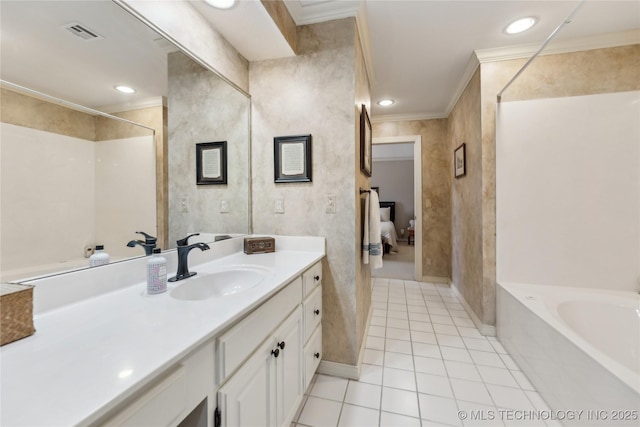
pixel 398 346
pixel 537 401
pixel 510 398
pixel 429 365
pixel 379 312
pixel 498 347
pixel 373 357
pixel 398 323
pixel 444 320
pixel 459 313
pixel 320 412
pixel 445 329
pixel 377 331
pixel 388 419
pixel 469 332
pixel 463 371
pixel 523 381
pixel 433 384
pixel 454 306
pixel 401 402
pixel 438 311
pixel 397 314
pixel 471 391
pixel 481 344
pixel 375 343
pixel 497 376
pixel 455 354
pixel 371 374
pixel 423 337
pixel 357 416
pixel 378 321
pixel 450 340
pixel 397 307
pixel 329 387
pixel 426 350
pixel 379 304
pixel 421 326
pixel 476 414
pixel 363 394
pixel 419 316
pixel 461 321
pixel 417 308
pixel 486 358
pixel 398 378
pixel 438 409
pixel 508 361
pixel 398 334
pixel 398 361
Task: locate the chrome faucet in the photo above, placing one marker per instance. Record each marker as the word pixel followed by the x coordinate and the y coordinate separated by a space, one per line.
pixel 149 242
pixel 183 253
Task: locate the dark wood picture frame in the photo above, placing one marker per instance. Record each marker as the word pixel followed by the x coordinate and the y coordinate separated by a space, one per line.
pixel 366 142
pixel 460 161
pixel 211 163
pixel 292 158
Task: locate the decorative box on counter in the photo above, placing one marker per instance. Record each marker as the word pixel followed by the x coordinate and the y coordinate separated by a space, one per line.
pixel 259 245
pixel 16 311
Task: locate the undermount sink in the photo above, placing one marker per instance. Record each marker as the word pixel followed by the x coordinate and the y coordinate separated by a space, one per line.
pixel 217 283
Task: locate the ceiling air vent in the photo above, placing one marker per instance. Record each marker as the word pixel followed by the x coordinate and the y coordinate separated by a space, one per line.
pixel 82 31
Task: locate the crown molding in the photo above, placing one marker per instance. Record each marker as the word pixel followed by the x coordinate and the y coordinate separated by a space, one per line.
pixel 305 12
pixel 362 25
pixel 600 41
pixel 156 101
pixel 407 117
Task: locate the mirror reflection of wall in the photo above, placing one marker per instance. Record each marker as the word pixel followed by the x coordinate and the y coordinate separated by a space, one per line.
pixel 43 137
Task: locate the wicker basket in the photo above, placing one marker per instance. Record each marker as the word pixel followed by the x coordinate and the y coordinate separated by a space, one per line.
pixel 16 312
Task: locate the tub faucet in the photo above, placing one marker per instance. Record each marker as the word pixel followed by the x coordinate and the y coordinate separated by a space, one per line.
pixel 183 255
pixel 149 242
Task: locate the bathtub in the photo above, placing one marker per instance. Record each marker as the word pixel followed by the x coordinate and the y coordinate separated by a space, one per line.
pixel 579 347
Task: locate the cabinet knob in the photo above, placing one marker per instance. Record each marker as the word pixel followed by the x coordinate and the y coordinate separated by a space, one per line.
pixel 281 345
pixel 316 311
pixel 275 352
pixel 316 277
pixel 316 355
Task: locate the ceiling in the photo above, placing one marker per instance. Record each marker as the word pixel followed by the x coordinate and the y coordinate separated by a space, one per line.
pixel 418 52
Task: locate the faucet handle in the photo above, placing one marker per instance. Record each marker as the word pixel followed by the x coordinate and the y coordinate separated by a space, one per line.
pixel 185 241
pixel 148 239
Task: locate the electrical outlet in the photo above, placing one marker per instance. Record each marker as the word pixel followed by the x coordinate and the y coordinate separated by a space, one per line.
pixel 331 204
pixel 184 205
pixel 224 206
pixel 279 205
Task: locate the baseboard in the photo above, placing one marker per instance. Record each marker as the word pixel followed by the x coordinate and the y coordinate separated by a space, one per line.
pixel 436 279
pixel 484 329
pixel 342 369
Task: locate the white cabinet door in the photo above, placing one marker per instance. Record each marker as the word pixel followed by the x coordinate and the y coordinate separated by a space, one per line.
pixel 248 399
pixel 289 367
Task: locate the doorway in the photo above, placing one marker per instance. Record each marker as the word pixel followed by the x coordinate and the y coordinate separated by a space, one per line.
pixel 397 144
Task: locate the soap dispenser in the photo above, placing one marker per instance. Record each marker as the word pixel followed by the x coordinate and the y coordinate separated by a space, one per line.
pixel 156 273
pixel 99 257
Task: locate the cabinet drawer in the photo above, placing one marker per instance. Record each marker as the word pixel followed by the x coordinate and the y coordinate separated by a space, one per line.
pixel 312 278
pixel 235 345
pixel 312 307
pixel 162 405
pixel 312 356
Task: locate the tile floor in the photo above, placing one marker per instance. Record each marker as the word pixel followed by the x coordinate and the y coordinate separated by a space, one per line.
pixel 424 364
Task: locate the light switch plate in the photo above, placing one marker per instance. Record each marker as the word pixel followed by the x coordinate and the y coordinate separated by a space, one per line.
pixel 279 205
pixel 330 204
pixel 224 206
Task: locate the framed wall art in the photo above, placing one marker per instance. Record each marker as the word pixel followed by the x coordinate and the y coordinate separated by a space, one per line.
pixel 460 161
pixel 211 163
pixel 292 158
pixel 366 141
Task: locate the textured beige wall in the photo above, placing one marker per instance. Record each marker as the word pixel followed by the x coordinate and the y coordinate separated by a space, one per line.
pixel 464 126
pixel 315 93
pixel 436 184
pixel 204 108
pixel 23 110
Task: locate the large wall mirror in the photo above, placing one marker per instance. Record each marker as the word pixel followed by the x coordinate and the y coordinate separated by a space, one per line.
pixel 84 164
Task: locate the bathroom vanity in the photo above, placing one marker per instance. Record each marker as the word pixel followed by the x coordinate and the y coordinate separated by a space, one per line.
pixel 242 356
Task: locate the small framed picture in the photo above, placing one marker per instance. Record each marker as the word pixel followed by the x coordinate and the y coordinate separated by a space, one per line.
pixel 292 158
pixel 211 163
pixel 366 141
pixel 460 161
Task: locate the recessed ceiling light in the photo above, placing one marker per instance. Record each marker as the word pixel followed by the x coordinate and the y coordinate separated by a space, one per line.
pixel 386 102
pixel 521 25
pixel 125 89
pixel 221 4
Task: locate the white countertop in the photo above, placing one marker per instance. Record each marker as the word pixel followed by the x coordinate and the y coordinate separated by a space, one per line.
pixel 89 356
